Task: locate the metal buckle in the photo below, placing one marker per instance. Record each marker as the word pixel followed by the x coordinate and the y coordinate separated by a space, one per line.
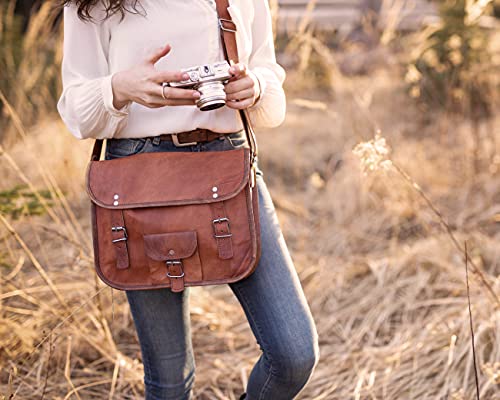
pixel 218 220
pixel 171 262
pixel 119 228
pixel 175 139
pixel 221 20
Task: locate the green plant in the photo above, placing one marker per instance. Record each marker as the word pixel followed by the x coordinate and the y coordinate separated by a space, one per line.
pixel 20 201
pixel 452 69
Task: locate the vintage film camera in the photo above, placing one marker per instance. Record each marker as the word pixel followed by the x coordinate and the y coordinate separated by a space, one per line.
pixel 209 80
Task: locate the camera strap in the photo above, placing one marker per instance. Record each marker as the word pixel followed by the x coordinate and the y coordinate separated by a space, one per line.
pixel 227 29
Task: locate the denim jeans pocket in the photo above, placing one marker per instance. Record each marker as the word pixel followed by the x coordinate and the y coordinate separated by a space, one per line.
pixel 116 148
pixel 237 139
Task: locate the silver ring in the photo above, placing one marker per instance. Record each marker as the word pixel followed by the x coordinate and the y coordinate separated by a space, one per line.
pixel 164 84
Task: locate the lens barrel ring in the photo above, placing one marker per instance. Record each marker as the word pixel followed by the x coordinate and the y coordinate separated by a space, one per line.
pixel 212 95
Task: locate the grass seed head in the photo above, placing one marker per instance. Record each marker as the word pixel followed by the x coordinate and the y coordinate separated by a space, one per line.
pixel 373 154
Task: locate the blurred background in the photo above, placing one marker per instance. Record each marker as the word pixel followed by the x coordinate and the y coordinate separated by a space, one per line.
pixel 387 163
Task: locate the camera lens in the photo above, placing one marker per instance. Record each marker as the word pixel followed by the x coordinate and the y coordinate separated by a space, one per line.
pixel 212 96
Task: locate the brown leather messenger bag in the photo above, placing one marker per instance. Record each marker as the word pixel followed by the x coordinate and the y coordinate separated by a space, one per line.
pixel 177 219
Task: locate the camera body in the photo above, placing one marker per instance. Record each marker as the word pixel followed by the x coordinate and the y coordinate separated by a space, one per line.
pixel 209 80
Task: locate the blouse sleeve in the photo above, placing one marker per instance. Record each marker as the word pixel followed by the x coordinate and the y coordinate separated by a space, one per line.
pixel 86 101
pixel 269 111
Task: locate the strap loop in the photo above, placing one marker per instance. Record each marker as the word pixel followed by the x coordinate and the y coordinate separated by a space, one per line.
pixel 221 25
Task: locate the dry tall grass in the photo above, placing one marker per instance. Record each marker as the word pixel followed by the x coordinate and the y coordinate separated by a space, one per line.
pixel 385 282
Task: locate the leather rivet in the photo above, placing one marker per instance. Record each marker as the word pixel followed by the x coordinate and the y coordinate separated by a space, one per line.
pixel 214 189
pixel 115 203
pixel 171 252
pixel 215 195
pixel 116 197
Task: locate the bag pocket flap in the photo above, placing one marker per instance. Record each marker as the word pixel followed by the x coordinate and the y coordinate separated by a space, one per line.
pixel 168 178
pixel 170 245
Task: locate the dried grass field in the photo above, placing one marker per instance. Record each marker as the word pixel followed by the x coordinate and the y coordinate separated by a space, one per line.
pixel 377 236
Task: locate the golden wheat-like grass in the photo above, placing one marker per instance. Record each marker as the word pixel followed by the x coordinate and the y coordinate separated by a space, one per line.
pixel 384 278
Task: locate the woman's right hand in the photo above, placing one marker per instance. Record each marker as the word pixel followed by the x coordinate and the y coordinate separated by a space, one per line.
pixel 143 84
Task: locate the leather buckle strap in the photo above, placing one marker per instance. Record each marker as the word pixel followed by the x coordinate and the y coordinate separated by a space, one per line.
pixel 221 220
pixel 119 228
pixel 190 138
pixel 176 275
pixel 175 139
pixel 222 232
pixel 119 239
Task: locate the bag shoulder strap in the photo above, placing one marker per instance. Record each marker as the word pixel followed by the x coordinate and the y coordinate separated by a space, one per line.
pixel 227 29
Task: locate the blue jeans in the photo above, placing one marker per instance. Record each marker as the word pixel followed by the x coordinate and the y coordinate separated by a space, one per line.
pixel 271 297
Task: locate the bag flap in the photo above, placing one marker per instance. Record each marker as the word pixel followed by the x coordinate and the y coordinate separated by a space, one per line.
pixel 168 178
pixel 170 245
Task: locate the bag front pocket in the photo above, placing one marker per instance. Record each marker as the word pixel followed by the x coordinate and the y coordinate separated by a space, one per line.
pixel 173 256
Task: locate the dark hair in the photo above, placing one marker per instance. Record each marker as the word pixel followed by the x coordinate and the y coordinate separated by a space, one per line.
pixel 110 6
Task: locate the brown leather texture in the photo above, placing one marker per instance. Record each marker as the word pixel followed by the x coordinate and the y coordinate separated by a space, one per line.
pixel 196 135
pixel 167 205
pixel 158 179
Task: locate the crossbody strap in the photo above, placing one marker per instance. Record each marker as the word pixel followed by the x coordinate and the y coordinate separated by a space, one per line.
pixel 227 29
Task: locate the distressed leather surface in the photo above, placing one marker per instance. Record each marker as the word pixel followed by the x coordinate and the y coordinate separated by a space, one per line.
pixel 167 208
pixel 170 245
pixel 180 178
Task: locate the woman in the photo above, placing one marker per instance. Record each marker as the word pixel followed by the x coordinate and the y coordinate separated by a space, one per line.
pixel 115 63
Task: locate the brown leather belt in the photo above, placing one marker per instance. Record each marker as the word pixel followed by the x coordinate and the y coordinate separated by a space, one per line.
pixel 189 138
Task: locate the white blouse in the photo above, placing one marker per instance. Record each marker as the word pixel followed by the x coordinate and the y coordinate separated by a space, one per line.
pixel 94 51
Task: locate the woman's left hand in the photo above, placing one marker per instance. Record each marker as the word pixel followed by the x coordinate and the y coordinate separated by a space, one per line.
pixel 243 88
